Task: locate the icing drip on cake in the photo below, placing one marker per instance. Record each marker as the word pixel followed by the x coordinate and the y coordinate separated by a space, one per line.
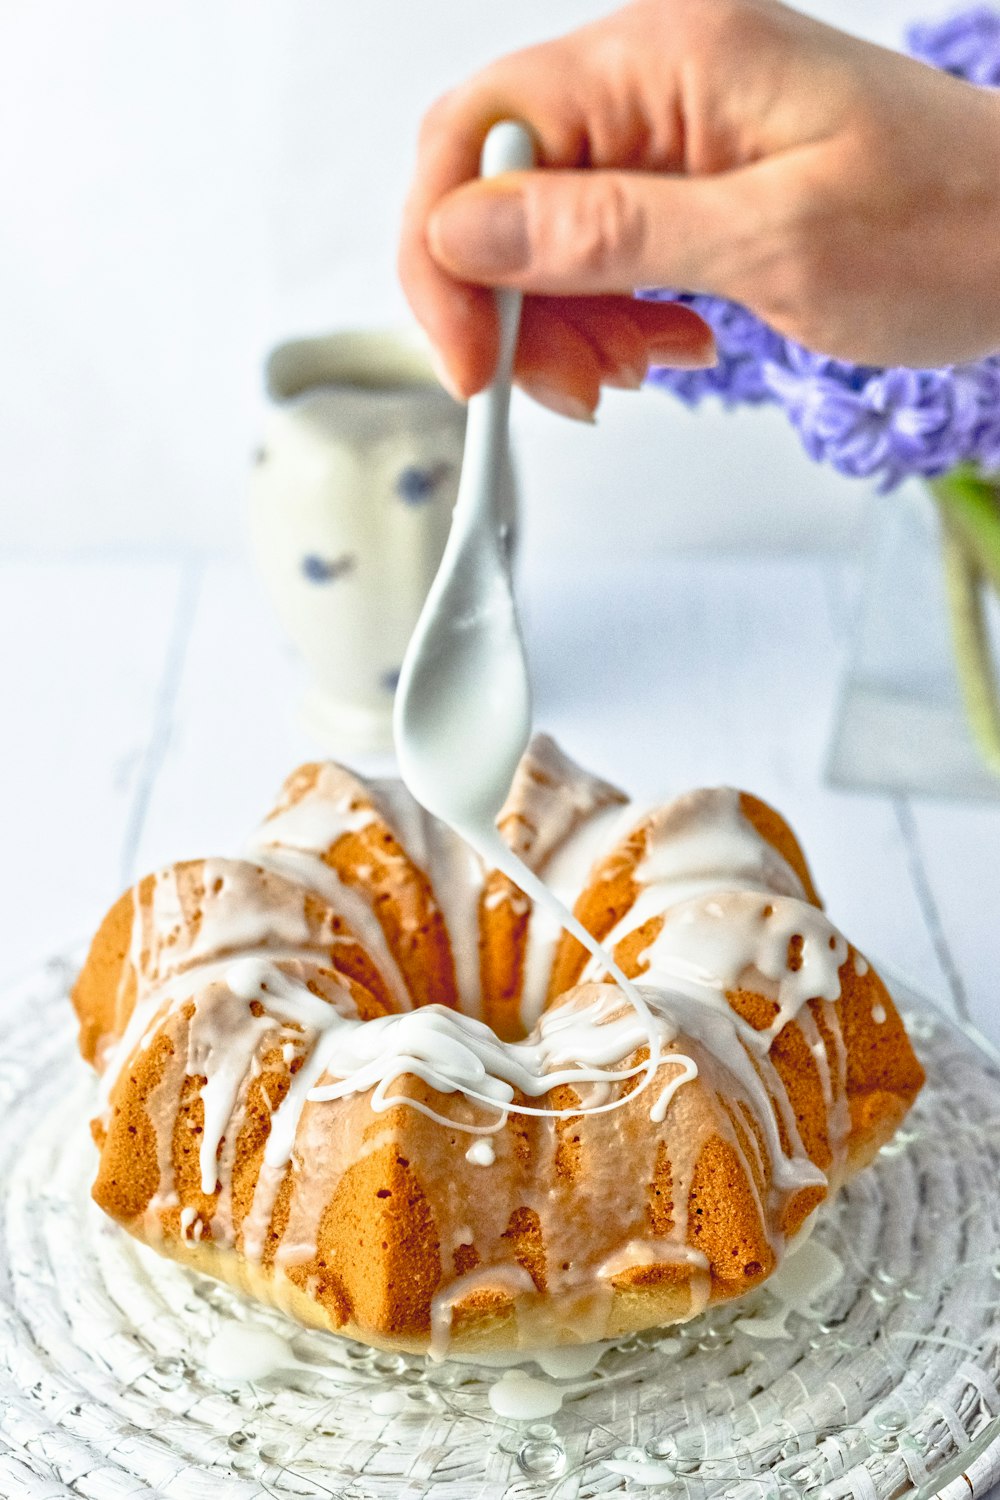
pixel 710 945
pixel 576 1045
pixel 237 961
pixel 292 842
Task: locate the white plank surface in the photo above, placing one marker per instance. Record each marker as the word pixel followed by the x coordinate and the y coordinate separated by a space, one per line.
pixel 151 714
pixel 83 651
pixel 959 849
pixel 232 735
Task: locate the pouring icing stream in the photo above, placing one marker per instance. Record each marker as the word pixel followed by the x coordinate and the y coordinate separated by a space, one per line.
pixel 462 716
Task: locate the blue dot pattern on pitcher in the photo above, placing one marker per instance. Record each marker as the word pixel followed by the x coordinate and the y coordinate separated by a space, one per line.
pixel 326 569
pixel 390 680
pixel 416 486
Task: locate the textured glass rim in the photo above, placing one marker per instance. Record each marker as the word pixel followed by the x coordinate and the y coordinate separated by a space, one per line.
pixel 953 1468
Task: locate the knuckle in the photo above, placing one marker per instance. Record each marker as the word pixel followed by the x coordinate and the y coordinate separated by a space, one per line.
pixel 604 229
pixel 438 117
pixel 469 104
pixel 740 26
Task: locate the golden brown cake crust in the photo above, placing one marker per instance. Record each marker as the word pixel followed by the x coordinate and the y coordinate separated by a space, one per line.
pixel 385 1221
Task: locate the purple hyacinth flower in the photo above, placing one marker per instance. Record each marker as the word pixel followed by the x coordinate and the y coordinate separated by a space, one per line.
pixel 967 44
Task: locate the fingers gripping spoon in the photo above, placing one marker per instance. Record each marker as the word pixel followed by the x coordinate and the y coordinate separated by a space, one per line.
pixel 462 715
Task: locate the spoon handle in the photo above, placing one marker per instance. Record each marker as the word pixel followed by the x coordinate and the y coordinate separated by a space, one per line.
pixel 509 147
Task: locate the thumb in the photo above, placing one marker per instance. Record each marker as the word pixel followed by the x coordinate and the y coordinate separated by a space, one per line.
pixel 586 232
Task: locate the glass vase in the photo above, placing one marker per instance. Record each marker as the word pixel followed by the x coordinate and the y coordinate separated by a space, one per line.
pixel 919 706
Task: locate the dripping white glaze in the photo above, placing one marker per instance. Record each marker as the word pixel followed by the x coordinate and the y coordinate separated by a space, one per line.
pixel 687 1072
pixel 705 947
pixel 239 909
pixel 513 1280
pixel 563 874
pixel 558 835
pixel 703 841
pixel 310 871
pixel 701 952
pixel 808 1273
pixel 729 908
pixel 294 840
pixel 496 854
pixel 458 877
pixel 471 801
pixel 712 944
pixel 481 1152
pixel 221 1013
pixel 318 819
pixel 570 1361
pixel 577 1043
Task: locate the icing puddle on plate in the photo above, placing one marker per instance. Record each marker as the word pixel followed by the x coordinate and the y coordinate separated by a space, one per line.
pixel 806 1275
pixel 534 1385
pixel 246 1353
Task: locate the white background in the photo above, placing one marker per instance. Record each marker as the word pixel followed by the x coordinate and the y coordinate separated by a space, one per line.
pixel 185 182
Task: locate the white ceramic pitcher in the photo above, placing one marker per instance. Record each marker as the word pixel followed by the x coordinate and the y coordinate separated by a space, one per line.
pixel 351 501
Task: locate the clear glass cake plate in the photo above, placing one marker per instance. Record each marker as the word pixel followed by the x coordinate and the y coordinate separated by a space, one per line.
pixel 886 1387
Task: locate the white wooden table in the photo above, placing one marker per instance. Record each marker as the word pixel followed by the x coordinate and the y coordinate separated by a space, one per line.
pixel 149 713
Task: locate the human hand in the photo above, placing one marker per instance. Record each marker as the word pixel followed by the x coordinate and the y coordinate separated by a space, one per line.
pixel 847 194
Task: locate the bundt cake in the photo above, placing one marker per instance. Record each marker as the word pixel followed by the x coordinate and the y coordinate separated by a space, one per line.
pixel 362 1078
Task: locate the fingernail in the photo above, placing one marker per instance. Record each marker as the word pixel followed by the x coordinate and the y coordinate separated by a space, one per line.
pixel 628 378
pixel 480 233
pixel 705 357
pixel 560 401
pixel 444 376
